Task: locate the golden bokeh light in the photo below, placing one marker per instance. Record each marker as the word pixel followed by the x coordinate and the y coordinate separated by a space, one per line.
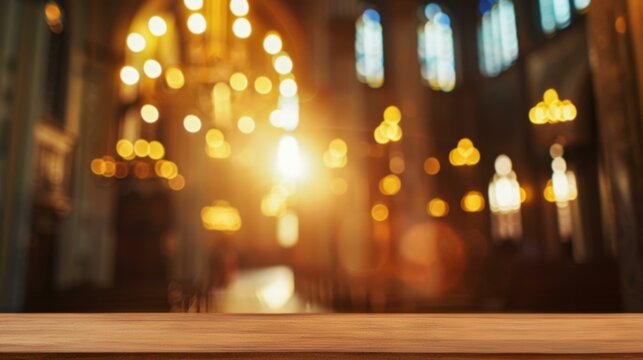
pixel 174 78
pixel 219 151
pixel 197 24
pixel 149 113
pixel 221 217
pixel 110 166
pixel 473 201
pixel 141 170
pixel 193 4
pixel 288 230
pixel 192 123
pixel 157 150
pixel 246 124
pixel 125 149
pixel 53 13
pixel 141 148
pixel 98 166
pixel 177 183
pixel 465 154
pixel 129 75
pixel 242 28
pixel 275 203
pixel 239 7
pixel 379 212
pixel 552 109
pixel 238 81
pixel 136 42
pixel 166 169
pixel 548 193
pixel 438 208
pixel 157 26
pixel 336 156
pixel 432 166
pixel 152 69
pixel 392 114
pixel 214 137
pixel 288 88
pixel 390 185
pixel 263 85
pixel 272 43
pixel 283 64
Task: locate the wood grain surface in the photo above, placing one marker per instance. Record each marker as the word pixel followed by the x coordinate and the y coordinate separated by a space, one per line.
pixel 327 333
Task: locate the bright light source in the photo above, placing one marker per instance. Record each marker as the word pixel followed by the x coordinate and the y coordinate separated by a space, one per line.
pixel 239 7
pixel 197 24
pixel 289 162
pixel 157 26
pixel 129 75
pixel 136 42
pixel 149 113
pixel 263 85
pixel 272 43
pixel 192 124
pixel 193 4
pixel 288 230
pixel 238 81
pixel 152 68
pixel 288 87
pixel 242 28
pixel 174 78
pixel 283 64
pixel 246 124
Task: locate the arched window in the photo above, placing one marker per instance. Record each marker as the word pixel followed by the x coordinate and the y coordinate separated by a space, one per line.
pixel 436 50
pixel 554 15
pixel 369 49
pixel 497 36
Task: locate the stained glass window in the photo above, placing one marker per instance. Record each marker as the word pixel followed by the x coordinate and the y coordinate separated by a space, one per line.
pixel 369 49
pixel 436 50
pixel 497 36
pixel 554 15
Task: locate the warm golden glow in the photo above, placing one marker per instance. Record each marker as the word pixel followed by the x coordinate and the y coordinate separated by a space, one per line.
pixel 197 24
pixel 275 203
pixel 192 123
pixel 242 28
pixel 174 78
pixel 283 64
pixel 464 154
pixel 157 150
pixel 157 26
pixel 221 150
pixel 263 85
pixel 431 166
pixel 125 149
pixel 193 4
pixel 214 137
pixel 129 75
pixel 52 12
pixel 110 166
pixel 136 42
pixel 177 183
pixel 337 154
pixel 221 217
pixel 149 113
pixel 239 7
pixel 389 129
pixel 272 43
pixel 379 212
pixel 438 208
pixel 152 69
pixel 473 201
pixel 238 82
pixel 288 230
pixel 390 185
pixel 552 110
pixel 166 169
pixel 288 88
pixel 246 124
pixel 392 114
pixel 98 166
pixel 141 148
pixel 289 162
